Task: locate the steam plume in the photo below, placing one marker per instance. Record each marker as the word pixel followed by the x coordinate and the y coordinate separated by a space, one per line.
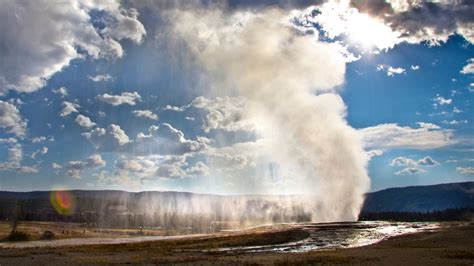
pixel 291 84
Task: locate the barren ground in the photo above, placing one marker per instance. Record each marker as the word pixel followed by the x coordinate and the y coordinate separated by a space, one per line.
pixel 453 245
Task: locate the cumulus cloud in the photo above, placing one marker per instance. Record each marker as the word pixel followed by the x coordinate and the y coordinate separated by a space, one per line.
pixel 68 108
pixel 175 108
pixel 469 68
pixel 61 91
pixel 383 24
pixel 107 139
pixel 405 161
pixel 439 100
pixel 226 113
pixel 38 139
pixel 419 21
pixel 15 157
pixel 391 136
pixel 129 98
pixel 163 139
pixel 56 166
pixel 75 168
pixel 391 71
pixel 412 166
pixel 101 78
pixel 166 140
pixel 410 171
pixel 427 160
pixel 136 165
pixel 11 121
pixel 454 122
pixel 199 169
pixel 374 153
pixel 43 150
pixel 465 170
pixel 42 41
pixel 157 166
pixel 336 19
pixel 145 114
pixel 8 140
pixel 84 121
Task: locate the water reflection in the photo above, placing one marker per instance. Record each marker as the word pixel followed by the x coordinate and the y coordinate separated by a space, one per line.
pixel 341 235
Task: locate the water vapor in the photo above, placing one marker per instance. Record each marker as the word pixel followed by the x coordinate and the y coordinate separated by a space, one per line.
pixel 291 84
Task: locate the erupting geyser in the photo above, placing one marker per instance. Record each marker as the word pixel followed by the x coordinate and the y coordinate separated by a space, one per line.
pixel 290 82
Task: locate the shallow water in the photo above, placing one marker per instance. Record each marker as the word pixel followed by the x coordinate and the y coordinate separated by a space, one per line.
pixel 321 236
pixel 342 235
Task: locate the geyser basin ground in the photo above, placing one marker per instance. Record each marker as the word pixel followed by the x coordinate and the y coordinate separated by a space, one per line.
pixel 428 243
pixel 299 237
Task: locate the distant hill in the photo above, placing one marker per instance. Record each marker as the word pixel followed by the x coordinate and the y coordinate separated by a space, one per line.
pixel 421 198
pixel 201 212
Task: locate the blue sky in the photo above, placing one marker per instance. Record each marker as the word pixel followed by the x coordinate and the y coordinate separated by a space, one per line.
pixel 133 99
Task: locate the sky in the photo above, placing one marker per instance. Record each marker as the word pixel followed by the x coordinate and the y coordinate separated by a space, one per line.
pixel 236 97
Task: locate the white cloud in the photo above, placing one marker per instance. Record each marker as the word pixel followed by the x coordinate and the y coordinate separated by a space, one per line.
pixel 383 24
pixel 56 166
pixel 101 78
pixel 338 19
pixel 68 108
pixel 162 152
pixel 199 169
pixel 391 71
pixel 374 153
pixel 175 108
pixel 428 161
pixel 405 161
pixel 75 168
pixel 38 139
pixel 137 165
pixel 165 140
pixel 423 21
pixel 442 101
pixel 125 98
pixel 61 91
pixel 465 170
pixel 43 37
pixel 84 121
pixel 428 125
pixel 43 150
pixel 391 136
pixel 107 139
pixel 414 67
pixel 157 166
pixel 410 171
pixel 11 121
pixel 454 122
pixel 226 113
pixel 15 153
pixel 95 161
pixel 469 68
pixel 145 114
pixel 8 140
pixel 15 157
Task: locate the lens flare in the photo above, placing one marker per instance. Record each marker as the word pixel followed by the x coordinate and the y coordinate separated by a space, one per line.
pixel 63 202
